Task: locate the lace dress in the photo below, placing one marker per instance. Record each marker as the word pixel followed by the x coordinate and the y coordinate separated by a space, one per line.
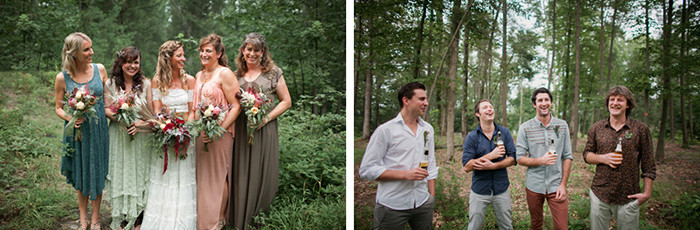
pixel 129 163
pixel 172 196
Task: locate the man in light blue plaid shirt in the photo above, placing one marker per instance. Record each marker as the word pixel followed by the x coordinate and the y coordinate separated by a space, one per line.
pixel 544 146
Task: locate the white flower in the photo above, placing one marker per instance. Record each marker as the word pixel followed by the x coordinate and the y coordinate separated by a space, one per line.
pixel 162 126
pixel 124 106
pixel 254 110
pixel 79 94
pixel 207 113
pixel 80 105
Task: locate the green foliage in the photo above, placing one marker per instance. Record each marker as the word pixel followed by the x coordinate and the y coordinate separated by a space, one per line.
pixel 579 212
pixel 686 210
pixel 451 204
pixel 29 151
pixel 304 213
pixel 312 173
pixel 312 154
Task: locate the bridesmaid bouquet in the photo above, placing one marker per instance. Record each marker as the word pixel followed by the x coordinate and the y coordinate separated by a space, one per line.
pixel 80 103
pixel 170 130
pixel 124 105
pixel 208 122
pixel 256 106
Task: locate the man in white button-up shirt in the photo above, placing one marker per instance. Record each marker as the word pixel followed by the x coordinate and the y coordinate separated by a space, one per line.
pixel 406 192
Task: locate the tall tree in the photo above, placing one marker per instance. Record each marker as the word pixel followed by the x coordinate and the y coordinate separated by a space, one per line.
pixel 451 76
pixel 574 104
pixel 666 78
pixel 368 86
pixel 684 72
pixel 419 43
pixel 602 56
pixel 504 64
pixel 554 44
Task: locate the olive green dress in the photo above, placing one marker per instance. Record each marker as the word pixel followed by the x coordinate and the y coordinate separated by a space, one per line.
pixel 256 166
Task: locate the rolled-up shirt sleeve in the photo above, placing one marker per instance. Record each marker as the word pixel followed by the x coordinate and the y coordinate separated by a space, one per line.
pixel 521 148
pixel 566 151
pixel 432 165
pixel 469 149
pixel 372 165
pixel 646 154
pixel 509 144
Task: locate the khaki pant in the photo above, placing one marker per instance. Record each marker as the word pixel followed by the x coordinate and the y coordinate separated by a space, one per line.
pixel 626 215
pixel 418 218
pixel 501 206
pixel 559 209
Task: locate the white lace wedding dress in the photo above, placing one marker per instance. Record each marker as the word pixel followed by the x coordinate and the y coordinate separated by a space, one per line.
pixel 172 197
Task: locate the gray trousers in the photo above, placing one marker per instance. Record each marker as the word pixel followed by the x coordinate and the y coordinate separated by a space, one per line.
pixel 626 215
pixel 418 218
pixel 501 206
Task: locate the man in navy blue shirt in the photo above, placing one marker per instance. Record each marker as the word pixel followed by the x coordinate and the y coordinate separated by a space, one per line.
pixel 488 161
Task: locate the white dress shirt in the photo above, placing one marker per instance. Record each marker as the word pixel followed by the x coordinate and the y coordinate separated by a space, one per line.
pixel 394 146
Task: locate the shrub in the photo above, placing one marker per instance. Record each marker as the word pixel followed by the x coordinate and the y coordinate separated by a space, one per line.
pixel 312 173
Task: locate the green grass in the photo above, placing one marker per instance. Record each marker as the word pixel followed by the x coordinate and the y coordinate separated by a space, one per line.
pixel 34 194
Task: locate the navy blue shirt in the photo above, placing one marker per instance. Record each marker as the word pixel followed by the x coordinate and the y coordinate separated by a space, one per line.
pixel 487 182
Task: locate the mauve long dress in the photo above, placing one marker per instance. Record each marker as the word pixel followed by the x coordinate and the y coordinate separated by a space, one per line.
pixel 213 166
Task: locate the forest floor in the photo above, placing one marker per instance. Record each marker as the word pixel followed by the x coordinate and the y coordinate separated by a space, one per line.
pixel 677 175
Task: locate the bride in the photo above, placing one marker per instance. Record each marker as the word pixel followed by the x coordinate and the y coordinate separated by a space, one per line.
pixel 172 195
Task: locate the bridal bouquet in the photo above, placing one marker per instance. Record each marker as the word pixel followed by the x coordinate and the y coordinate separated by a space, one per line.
pixel 209 117
pixel 124 105
pixel 256 106
pixel 170 130
pixel 79 104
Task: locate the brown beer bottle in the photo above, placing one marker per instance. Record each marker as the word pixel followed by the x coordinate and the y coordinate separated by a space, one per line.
pixel 618 149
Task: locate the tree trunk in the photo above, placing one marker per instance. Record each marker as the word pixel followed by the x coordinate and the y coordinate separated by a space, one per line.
pixel 684 72
pixel 504 65
pixel 554 44
pixel 646 62
pixel 666 76
pixel 612 41
pixel 451 77
pixel 368 89
pixel 465 96
pixel 419 43
pixel 672 114
pixel 567 74
pixel 574 103
pixel 489 53
pixel 602 55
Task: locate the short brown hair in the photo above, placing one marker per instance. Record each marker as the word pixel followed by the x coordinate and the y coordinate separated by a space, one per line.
pixel 621 91
pixel 476 107
pixel 407 91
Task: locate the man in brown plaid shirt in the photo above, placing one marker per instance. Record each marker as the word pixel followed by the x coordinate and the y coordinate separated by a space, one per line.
pixel 615 188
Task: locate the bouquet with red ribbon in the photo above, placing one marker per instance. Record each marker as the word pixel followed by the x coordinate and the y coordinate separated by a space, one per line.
pixel 79 103
pixel 125 109
pixel 256 106
pixel 170 130
pixel 209 117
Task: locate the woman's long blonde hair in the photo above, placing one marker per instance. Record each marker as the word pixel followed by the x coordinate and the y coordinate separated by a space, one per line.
pixel 72 51
pixel 164 69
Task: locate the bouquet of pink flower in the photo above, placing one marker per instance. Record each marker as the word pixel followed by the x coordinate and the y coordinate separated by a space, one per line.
pixel 170 130
pixel 124 105
pixel 256 106
pixel 79 103
pixel 209 117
